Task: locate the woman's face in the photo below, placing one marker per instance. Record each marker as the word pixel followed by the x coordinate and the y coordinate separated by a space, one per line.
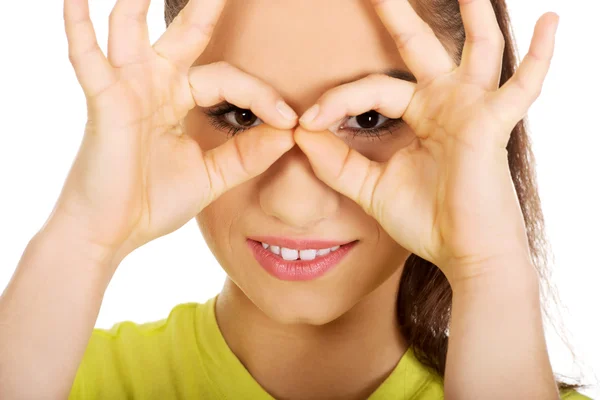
pixel 301 48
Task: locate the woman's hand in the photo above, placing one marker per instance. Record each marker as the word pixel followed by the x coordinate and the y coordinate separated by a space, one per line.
pixel 137 175
pixel 448 196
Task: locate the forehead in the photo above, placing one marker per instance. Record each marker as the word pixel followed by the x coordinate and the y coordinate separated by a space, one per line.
pixel 303 47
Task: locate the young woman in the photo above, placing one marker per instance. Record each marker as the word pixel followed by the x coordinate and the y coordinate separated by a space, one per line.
pixel 385 245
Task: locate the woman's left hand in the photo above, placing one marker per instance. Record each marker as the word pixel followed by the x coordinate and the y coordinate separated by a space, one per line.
pixel 448 197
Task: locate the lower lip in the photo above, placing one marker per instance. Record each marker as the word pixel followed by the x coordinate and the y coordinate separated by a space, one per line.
pixel 298 270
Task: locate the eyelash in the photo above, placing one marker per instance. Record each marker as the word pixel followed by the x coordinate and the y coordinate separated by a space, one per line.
pixel 216 115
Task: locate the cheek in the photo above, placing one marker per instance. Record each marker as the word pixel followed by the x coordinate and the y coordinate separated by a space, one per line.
pixel 199 129
pixel 383 148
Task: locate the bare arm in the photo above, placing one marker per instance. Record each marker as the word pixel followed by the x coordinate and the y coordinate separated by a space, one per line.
pixel 115 196
pixel 47 314
pixel 497 348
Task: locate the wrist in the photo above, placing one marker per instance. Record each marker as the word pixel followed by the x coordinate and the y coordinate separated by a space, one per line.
pixel 510 274
pixel 60 239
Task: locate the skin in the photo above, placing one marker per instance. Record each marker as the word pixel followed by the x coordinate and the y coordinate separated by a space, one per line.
pixel 351 189
pixel 348 316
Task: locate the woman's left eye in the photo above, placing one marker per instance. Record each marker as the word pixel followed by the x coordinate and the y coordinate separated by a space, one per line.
pixel 368 120
pixel 369 124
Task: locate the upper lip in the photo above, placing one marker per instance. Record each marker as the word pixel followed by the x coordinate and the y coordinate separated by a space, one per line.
pixel 300 244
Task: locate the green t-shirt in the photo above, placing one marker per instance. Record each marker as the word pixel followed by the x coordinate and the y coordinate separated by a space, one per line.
pixel 186 357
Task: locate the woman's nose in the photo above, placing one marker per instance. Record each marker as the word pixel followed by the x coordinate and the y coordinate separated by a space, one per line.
pixel 291 192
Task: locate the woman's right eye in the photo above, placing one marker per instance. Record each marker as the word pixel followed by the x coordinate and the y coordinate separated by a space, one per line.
pixel 244 118
pixel 231 119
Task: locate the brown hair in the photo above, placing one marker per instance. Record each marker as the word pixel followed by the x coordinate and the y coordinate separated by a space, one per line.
pixel 425 296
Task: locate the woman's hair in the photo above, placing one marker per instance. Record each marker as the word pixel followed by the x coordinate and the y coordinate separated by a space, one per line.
pixel 425 296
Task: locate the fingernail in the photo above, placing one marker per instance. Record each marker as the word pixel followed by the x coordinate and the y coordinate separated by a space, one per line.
pixel 557 23
pixel 310 114
pixel 285 110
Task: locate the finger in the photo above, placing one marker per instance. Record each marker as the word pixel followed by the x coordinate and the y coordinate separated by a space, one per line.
pixel 388 96
pixel 221 81
pixel 513 99
pixel 420 49
pixel 128 40
pixel 245 156
pixel 484 44
pixel 189 33
pixel 340 167
pixel 93 70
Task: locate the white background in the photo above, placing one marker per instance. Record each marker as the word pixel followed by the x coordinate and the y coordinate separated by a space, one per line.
pixel 42 115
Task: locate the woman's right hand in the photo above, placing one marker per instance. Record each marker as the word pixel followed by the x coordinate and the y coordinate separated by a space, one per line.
pixel 137 175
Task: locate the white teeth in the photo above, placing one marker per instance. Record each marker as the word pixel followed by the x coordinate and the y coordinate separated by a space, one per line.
pixel 292 254
pixel 274 249
pixel 323 252
pixel 289 254
pixel 308 254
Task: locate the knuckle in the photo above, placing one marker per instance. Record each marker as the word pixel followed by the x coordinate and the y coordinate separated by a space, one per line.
pixel 365 193
pixel 339 175
pixel 240 155
pixel 203 27
pixel 521 84
pixel 402 39
pixel 133 17
pixel 215 174
pixel 113 15
pixel 76 57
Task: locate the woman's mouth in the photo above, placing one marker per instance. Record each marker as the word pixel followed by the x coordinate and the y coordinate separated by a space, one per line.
pixel 307 260
pixel 293 254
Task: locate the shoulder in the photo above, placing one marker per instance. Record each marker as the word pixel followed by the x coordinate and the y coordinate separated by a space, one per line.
pixel 573 395
pixel 131 357
pixel 180 317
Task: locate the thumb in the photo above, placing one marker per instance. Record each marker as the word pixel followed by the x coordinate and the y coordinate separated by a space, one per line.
pixel 341 167
pixel 245 156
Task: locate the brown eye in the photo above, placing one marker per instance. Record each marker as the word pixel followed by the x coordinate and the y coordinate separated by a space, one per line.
pixel 230 118
pixel 242 117
pixel 369 124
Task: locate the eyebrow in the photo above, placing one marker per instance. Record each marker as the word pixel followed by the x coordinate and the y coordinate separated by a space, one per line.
pixel 392 72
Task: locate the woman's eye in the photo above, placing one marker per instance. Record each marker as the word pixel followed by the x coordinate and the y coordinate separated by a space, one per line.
pixel 370 124
pixel 233 120
pixel 241 118
pixel 367 121
pixel 230 118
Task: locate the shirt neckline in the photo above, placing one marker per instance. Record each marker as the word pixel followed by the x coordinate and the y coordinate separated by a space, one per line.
pixel 232 380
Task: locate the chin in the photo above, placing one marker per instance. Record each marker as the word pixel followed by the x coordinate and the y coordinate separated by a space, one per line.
pixel 298 306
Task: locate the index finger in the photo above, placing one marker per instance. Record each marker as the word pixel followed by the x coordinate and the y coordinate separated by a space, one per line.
pixel 420 49
pixel 189 33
